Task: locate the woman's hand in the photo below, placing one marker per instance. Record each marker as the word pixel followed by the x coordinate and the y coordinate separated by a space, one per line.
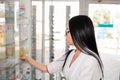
pixel 33 62
pixel 24 58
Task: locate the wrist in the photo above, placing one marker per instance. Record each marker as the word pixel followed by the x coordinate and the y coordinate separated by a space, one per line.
pixel 26 58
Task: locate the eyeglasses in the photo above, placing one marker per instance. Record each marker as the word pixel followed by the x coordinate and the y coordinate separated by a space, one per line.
pixel 66 32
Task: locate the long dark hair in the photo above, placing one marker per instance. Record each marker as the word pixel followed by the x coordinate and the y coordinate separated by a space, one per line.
pixel 83 35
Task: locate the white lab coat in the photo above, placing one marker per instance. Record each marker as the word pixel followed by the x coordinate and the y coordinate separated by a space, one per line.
pixel 85 67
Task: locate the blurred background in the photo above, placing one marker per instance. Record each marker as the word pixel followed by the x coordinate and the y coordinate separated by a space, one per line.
pixel 37 27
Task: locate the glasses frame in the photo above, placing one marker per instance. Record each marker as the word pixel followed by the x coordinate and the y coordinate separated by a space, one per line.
pixel 67 31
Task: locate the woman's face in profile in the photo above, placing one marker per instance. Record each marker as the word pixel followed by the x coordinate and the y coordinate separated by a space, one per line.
pixel 68 37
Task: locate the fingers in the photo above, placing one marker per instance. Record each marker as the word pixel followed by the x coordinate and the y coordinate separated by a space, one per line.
pixel 23 58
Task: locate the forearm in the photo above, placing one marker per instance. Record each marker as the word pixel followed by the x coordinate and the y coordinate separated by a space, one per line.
pixel 36 64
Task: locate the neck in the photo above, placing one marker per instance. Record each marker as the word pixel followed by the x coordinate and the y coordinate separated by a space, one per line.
pixel 77 51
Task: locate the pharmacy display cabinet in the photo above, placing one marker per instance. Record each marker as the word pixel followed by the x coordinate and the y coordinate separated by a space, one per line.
pixel 18 34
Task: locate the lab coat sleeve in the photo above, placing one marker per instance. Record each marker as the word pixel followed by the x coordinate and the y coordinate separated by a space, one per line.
pixel 56 66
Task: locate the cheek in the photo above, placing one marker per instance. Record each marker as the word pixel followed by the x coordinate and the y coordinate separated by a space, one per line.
pixel 69 40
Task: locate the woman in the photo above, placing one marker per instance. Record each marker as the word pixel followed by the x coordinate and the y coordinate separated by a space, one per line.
pixel 84 62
